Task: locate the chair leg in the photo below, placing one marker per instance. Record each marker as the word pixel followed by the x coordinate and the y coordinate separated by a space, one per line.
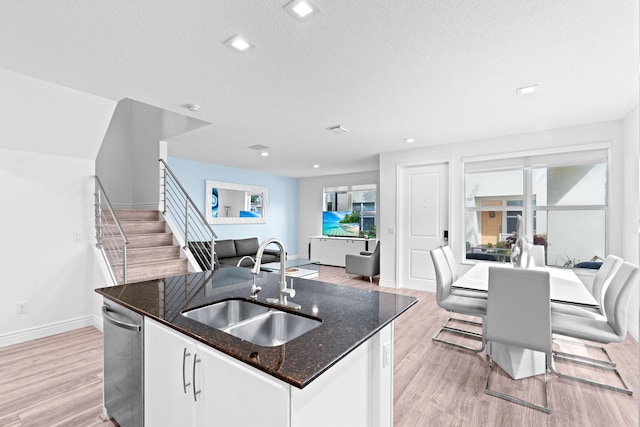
pixel 546 409
pixel 370 279
pixel 609 361
pixel 626 389
pixel 447 328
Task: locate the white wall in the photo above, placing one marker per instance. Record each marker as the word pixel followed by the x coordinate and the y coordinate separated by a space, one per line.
pixel 47 199
pixel 145 138
pixel 611 132
pixel 114 162
pixel 42 117
pixel 631 207
pixel 127 163
pixel 310 204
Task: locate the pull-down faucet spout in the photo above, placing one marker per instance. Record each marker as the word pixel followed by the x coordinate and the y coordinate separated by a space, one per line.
pixel 283 291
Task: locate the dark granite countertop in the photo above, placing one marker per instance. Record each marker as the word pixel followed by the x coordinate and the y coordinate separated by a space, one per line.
pixel 349 317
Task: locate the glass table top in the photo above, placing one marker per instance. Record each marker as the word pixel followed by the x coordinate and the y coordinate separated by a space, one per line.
pixel 295 267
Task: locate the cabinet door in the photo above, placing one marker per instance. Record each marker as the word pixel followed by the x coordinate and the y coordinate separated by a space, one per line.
pixel 232 394
pixel 168 364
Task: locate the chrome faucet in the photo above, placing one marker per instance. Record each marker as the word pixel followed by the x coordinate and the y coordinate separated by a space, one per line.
pixel 283 291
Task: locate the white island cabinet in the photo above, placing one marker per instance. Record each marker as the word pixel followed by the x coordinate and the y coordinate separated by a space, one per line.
pixel 355 392
pixel 216 390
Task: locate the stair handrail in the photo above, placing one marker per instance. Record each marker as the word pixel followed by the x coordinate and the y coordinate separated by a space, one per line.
pixel 179 206
pixel 100 195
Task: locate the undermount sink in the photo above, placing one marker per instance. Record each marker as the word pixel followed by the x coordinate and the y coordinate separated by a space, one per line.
pixel 227 313
pixel 258 324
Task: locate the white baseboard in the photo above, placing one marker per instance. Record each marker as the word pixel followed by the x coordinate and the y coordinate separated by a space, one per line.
pixel 97 322
pixel 387 283
pixel 29 334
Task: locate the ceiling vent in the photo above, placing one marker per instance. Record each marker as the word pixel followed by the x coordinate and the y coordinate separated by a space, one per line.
pixel 339 129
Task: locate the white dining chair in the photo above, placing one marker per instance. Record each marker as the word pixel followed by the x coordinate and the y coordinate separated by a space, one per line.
pixel 453 268
pixel 519 314
pixel 456 304
pixel 451 261
pixel 604 329
pixel 601 282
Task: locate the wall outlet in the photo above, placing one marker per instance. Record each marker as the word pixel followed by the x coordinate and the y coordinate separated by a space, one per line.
pixel 22 308
pixel 77 236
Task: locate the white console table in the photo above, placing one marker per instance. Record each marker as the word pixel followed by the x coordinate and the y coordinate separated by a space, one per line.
pixel 332 250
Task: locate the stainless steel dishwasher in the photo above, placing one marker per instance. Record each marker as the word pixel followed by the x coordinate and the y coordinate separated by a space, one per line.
pixel 123 365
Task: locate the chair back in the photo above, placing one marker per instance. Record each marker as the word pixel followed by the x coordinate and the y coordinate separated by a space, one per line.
pixel 603 278
pixel 376 251
pixel 519 308
pixel 616 299
pixel 443 275
pixel 453 266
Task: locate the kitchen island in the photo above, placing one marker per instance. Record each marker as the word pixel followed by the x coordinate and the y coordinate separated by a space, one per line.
pixel 339 373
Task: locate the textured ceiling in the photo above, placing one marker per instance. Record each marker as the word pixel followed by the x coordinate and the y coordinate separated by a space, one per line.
pixel 439 71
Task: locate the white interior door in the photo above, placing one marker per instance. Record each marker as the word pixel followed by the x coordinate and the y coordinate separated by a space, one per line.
pixel 423 215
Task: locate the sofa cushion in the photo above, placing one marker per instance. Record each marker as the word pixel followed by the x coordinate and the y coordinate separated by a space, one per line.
pixel 247 246
pixel 233 261
pixel 225 249
pixel 266 258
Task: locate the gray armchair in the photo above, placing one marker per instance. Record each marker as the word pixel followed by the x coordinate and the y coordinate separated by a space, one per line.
pixel 364 264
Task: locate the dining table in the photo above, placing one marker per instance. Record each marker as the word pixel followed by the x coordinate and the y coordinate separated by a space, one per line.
pixel 565 288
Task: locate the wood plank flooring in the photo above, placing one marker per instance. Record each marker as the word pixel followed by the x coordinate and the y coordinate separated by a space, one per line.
pixel 53 381
pixel 57 381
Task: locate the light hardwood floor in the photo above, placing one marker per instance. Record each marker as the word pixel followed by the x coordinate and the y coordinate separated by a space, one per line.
pixel 57 381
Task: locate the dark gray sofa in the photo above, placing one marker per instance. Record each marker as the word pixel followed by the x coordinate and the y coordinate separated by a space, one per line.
pixel 229 252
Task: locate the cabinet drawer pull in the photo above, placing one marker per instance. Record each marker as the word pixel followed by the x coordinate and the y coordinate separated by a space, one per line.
pixel 195 392
pixel 185 384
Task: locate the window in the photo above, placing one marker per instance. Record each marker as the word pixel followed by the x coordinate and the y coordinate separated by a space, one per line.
pixel 359 199
pixel 563 202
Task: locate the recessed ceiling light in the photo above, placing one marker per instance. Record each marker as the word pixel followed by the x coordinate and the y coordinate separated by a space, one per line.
pixel 264 153
pixel 239 43
pixel 527 90
pixel 316 166
pixel 258 147
pixel 410 140
pixel 339 129
pixel 301 9
pixel 194 108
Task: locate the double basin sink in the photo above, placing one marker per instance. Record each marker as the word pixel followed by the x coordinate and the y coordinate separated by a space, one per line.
pixel 253 322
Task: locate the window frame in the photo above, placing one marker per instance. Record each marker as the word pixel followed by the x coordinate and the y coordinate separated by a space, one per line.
pixel 526 161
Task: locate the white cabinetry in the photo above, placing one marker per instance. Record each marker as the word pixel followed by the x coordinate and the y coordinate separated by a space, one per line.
pixel 168 388
pixel 332 250
pixel 234 394
pixel 190 384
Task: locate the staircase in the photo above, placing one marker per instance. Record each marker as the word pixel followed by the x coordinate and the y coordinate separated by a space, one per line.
pixel 151 253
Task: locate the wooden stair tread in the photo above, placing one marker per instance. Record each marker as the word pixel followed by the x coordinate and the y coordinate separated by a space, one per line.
pixel 156 248
pixel 157 262
pixel 151 252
